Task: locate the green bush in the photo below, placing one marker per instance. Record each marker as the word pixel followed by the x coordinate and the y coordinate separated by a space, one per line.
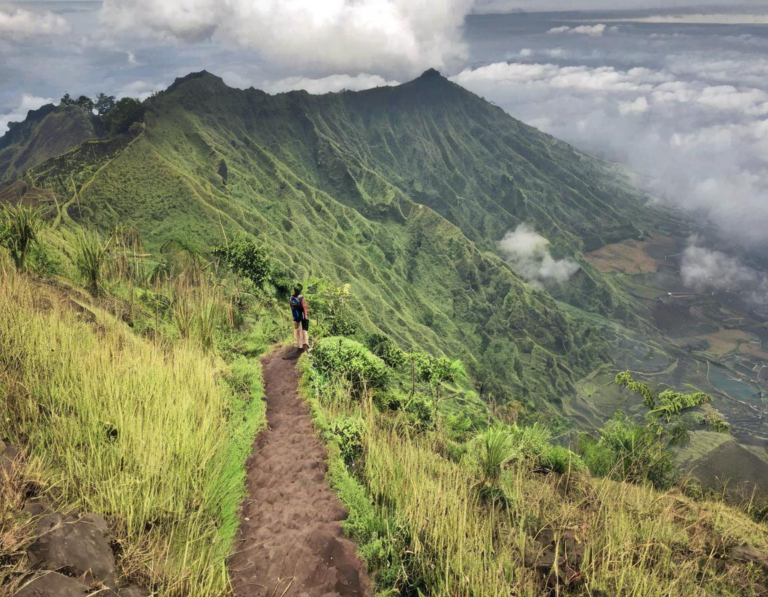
pixel 247 260
pixel 91 256
pixel 348 433
pixel 422 411
pixel 350 359
pixel 559 459
pixel 385 348
pixel 19 232
pixel 496 450
pixel 629 452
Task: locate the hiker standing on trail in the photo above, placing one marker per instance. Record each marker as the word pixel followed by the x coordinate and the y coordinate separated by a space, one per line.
pixel 300 318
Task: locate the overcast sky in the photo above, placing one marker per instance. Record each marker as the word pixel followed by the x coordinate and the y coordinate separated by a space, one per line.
pixel 679 95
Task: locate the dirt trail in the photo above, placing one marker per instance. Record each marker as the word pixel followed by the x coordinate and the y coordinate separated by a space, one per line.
pixel 290 542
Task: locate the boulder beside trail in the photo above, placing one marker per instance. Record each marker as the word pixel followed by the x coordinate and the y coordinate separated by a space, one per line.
pixel 78 547
pixel 53 584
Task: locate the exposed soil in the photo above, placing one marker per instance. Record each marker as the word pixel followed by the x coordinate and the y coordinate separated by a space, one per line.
pixel 291 543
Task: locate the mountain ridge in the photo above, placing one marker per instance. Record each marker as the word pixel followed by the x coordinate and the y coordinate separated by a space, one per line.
pixel 404 191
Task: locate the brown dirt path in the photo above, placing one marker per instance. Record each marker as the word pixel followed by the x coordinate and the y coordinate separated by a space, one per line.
pixel 290 542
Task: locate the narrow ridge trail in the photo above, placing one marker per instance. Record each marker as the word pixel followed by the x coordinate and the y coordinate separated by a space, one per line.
pixel 290 542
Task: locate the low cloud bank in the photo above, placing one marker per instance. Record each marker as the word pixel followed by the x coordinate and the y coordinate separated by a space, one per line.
pixel 28 102
pixel 528 254
pixel 704 269
pixel 700 144
pixel 588 30
pixel 329 84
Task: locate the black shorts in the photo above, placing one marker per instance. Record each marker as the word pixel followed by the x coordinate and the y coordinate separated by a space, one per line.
pixel 304 324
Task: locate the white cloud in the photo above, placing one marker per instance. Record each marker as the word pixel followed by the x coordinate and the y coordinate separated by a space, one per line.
pixel 28 102
pixel 348 36
pixel 329 84
pixel 139 89
pixel 18 24
pixel 528 254
pixel 639 106
pixel 705 269
pixel 501 6
pixel 588 30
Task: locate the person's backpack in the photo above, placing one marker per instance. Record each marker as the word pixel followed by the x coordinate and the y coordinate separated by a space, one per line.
pixel 296 303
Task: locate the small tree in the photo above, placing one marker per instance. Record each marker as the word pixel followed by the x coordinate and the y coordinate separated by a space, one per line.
pixel 667 407
pixel 104 104
pixel 123 114
pixel 635 452
pixel 435 371
pixel 85 103
pixel 66 100
pixel 247 260
pixel 19 232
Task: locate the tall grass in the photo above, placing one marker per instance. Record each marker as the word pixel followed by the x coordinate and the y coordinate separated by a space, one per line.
pixel 198 309
pixel 153 438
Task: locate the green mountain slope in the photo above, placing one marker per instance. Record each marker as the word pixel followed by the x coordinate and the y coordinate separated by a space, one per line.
pixel 402 192
pixel 44 134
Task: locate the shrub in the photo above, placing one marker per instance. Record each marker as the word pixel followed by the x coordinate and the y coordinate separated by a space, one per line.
pixel 559 459
pixel 19 232
pixel 422 411
pixel 351 360
pixel 91 254
pixel 248 260
pixel 629 452
pixel 332 305
pixel 348 433
pixel 385 348
pixel 496 451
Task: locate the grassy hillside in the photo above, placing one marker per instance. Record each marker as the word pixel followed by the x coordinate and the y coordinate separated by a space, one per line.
pixel 402 192
pixel 443 507
pixel 115 411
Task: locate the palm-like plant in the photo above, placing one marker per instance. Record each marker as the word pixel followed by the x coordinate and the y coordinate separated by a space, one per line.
pixel 496 450
pixel 19 232
pixel 91 255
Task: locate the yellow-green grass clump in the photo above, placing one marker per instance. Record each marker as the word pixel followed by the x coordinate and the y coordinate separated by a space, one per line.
pixel 153 436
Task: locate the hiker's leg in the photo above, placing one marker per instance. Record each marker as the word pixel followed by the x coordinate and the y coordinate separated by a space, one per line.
pixel 297 333
pixel 305 334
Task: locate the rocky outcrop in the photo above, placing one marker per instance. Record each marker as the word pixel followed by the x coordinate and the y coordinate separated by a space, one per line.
pixel 69 556
pixel 52 584
pixel 78 547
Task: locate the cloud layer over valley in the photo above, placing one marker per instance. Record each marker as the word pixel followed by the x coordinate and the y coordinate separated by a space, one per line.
pixel 693 123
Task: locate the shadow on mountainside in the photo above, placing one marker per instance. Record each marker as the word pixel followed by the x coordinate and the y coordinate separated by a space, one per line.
pixel 291 541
